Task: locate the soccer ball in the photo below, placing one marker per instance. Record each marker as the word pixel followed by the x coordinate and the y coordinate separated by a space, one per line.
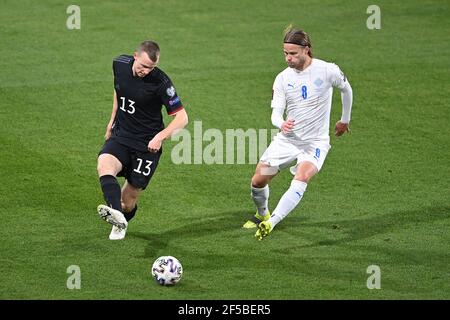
pixel 167 270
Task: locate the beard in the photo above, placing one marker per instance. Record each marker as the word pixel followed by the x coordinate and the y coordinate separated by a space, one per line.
pixel 298 64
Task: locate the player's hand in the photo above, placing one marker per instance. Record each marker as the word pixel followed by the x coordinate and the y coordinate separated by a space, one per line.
pixel 108 132
pixel 341 128
pixel 287 126
pixel 155 144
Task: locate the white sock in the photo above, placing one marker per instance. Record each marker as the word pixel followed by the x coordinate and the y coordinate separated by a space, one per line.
pixel 260 197
pixel 288 201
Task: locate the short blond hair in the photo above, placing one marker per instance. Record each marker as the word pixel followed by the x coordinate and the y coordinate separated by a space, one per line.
pixel 151 48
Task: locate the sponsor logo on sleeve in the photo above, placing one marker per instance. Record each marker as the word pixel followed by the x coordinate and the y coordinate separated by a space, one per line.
pixel 174 101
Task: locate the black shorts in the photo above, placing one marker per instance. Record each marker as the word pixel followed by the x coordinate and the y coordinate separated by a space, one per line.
pixel 138 167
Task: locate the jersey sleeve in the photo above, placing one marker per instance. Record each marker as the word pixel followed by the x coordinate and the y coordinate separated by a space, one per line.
pixel 336 77
pixel 170 98
pixel 278 94
pixel 114 67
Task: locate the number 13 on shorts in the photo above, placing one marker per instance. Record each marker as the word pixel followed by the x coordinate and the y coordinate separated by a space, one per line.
pixel 146 170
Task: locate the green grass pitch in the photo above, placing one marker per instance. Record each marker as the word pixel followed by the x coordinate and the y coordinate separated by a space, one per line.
pixel 382 197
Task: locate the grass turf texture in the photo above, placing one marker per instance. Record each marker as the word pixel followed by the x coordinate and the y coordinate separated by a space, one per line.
pixel 381 198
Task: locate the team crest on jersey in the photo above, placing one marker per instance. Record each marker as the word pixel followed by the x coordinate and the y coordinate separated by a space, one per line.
pixel 318 82
pixel 170 91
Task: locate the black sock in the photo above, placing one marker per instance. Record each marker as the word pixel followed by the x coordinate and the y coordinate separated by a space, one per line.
pixel 111 191
pixel 130 215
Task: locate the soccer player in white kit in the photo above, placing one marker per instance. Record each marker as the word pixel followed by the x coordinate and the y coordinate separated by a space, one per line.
pixel 303 91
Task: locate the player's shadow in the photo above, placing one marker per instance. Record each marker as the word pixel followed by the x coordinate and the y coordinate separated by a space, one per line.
pixel 340 231
pixel 220 222
pixel 357 229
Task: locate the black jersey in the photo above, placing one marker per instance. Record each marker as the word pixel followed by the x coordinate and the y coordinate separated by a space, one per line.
pixel 139 103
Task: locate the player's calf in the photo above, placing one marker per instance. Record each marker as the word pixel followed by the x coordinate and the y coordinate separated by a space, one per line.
pixel 129 214
pixel 111 191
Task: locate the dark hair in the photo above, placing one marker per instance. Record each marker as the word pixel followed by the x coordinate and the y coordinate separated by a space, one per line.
pixel 299 37
pixel 151 48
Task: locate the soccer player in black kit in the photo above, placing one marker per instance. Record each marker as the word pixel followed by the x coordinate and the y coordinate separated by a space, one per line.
pixel 135 133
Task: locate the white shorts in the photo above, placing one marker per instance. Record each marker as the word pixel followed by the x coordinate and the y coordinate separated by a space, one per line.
pixel 282 152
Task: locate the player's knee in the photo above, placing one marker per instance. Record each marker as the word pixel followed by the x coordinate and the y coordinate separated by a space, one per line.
pixel 258 181
pixel 302 177
pixel 100 169
pixel 108 165
pixel 103 170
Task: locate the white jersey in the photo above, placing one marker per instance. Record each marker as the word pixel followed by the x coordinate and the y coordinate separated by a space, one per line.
pixel 306 97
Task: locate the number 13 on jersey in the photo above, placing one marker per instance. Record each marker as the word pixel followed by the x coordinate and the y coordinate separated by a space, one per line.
pixel 127 108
